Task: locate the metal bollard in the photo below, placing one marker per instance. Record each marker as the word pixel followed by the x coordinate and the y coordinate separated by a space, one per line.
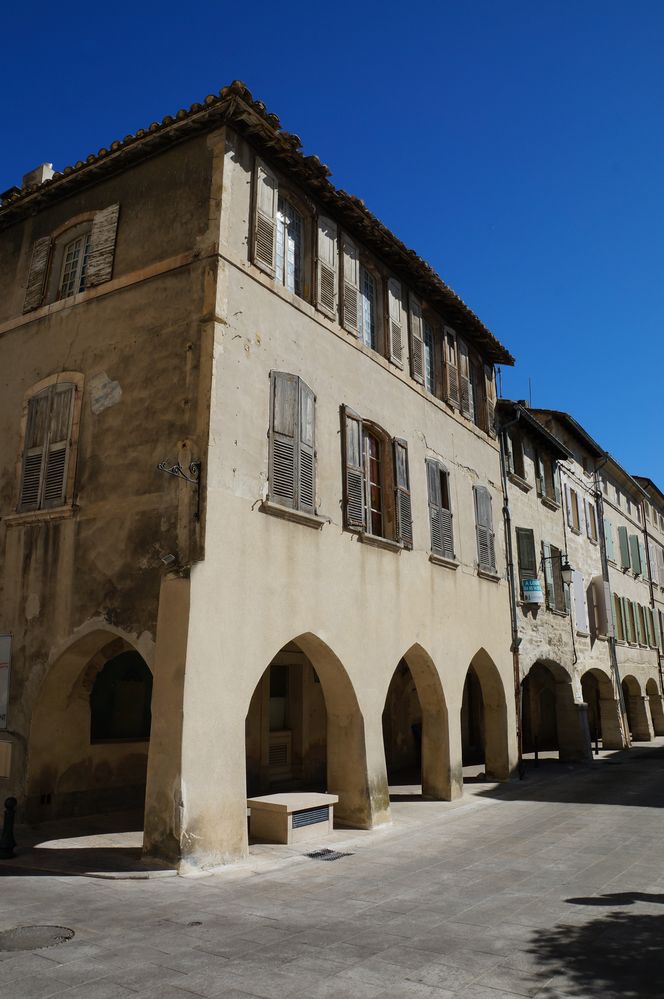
pixel 7 841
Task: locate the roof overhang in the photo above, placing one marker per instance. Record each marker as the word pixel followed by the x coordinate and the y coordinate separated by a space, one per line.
pixel 513 412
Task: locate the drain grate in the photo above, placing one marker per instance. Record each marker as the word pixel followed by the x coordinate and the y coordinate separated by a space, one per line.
pixel 327 854
pixel 34 937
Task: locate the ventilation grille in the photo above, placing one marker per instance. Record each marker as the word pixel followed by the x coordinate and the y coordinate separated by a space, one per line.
pixel 279 754
pixel 311 817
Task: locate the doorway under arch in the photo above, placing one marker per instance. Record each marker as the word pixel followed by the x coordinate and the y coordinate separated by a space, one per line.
pixel 552 722
pixel 416 730
pixel 484 734
pixel 637 707
pixel 656 707
pixel 603 710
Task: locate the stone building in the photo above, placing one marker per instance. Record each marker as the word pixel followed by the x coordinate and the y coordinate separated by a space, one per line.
pixel 653 530
pixel 250 493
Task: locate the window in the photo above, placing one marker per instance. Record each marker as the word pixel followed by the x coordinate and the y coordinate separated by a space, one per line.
pixel 326 267
pixel 288 270
pixel 451 368
pixel 618 618
pixel 548 479
pixel 292 457
pixel 591 520
pixel 429 363
pixel 573 511
pixel 556 597
pixel 464 378
pixel 623 542
pixel 440 510
pixel 527 558
pixel 486 549
pixel 367 312
pixel 394 322
pixel 608 537
pixel 120 700
pixel 514 456
pixel 635 554
pixel 77 256
pixel 580 602
pixel 376 481
pixel 47 447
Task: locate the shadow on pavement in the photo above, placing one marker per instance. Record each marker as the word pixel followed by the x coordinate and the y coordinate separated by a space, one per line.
pixel 619 898
pixel 619 955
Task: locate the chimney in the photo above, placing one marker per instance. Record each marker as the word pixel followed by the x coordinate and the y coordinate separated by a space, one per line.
pixel 38 175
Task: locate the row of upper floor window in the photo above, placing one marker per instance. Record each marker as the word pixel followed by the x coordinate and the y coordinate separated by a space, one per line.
pixel 76 256
pixel 622 500
pixel 349 286
pixel 637 624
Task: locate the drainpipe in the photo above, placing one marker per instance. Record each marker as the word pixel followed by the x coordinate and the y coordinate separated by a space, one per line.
pixel 653 606
pixel 599 501
pixel 509 556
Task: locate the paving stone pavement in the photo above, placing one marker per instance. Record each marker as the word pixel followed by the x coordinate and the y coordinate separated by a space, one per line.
pixel 550 887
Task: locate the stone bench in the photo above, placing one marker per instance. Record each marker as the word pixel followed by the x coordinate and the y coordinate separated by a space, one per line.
pixel 291 818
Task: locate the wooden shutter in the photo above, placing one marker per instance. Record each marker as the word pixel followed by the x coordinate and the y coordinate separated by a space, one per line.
pixel 490 399
pixel 580 606
pixel 484 523
pixel 652 555
pixel 416 339
pixel 624 547
pixel 36 438
pixel 568 506
pixel 525 547
pixel 660 565
pixel 608 537
pixel 560 596
pixel 352 433
pixel 508 451
pixel 394 338
pixel 306 469
pixel 102 246
pixel 404 518
pixel 451 369
pixel 284 439
pixel 642 559
pixel 540 480
pixel 57 450
pixel 266 191
pixel 555 474
pixel 548 576
pixel 635 554
pixel 34 292
pixel 350 306
pixel 326 266
pixel 464 377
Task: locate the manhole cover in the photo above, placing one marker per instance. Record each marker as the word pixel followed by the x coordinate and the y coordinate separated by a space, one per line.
pixel 327 855
pixel 34 937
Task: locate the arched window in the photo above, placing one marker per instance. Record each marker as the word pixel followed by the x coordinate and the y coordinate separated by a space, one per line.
pixel 120 699
pixel 74 265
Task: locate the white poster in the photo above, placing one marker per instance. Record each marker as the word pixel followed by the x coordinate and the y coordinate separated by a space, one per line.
pixel 5 656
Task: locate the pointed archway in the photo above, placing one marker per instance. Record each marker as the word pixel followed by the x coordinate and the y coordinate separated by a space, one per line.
pixel 637 706
pixel 552 721
pixel 656 706
pixel 604 718
pixel 484 732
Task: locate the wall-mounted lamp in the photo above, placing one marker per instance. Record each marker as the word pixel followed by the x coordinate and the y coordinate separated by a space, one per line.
pixel 566 570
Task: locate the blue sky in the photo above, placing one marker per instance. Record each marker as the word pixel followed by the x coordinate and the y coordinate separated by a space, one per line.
pixel 517 146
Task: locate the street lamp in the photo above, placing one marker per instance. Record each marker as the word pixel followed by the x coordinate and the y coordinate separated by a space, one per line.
pixel 566 570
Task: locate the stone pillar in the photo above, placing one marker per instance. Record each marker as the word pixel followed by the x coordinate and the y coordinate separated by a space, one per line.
pixel 572 724
pixel 456 757
pixel 638 710
pixel 657 713
pixel 356 769
pixel 437 778
pixel 612 734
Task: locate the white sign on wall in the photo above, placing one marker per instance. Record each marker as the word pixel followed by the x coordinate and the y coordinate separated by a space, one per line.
pixel 5 657
pixel 531 590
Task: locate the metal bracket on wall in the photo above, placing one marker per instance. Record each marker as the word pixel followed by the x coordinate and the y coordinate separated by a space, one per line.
pixel 194 477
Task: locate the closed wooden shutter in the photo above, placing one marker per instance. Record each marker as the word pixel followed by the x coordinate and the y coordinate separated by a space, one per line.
pixel 306 471
pixel 395 339
pixel 327 271
pixel 540 480
pixel 451 369
pixel 464 378
pixel 608 537
pixel 635 554
pixel 548 576
pixel 490 399
pixel 660 564
pixel 36 438
pixel 527 558
pixel 555 471
pixel 266 196
pixel 643 560
pixel 508 450
pixel 580 604
pixel 569 506
pixel 350 305
pixel 47 448
pixel 416 339
pixel 560 595
pixel 404 518
pixel 486 552
pixel 102 246
pixel 623 541
pixel 353 468
pixel 39 260
pixel 57 452
pixel 652 555
pixel 283 439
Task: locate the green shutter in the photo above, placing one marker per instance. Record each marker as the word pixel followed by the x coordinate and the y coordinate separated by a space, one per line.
pixel 608 536
pixel 624 547
pixel 548 575
pixel 635 554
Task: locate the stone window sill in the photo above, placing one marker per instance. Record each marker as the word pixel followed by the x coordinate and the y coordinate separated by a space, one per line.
pixel 558 613
pixel 296 516
pixel 575 530
pixel 520 482
pixel 377 542
pixel 488 574
pixel 449 563
pixel 582 634
pixel 550 503
pixel 37 516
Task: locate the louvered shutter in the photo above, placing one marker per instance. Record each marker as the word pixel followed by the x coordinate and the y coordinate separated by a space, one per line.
pixel 580 606
pixel 556 481
pixel 608 537
pixel 624 617
pixel 643 560
pixel 354 469
pixel 539 477
pixel 568 506
pixel 525 546
pixel 435 506
pixel 657 631
pixel 509 452
pixel 586 505
pixel 451 369
pixel 416 339
pixel 635 554
pixel 660 565
pixel 484 522
pixel 39 259
pixel 490 399
pixel 464 377
pixel 395 340
pixel 402 494
pixel 652 555
pixel 283 439
pixel 36 437
pixel 327 277
pixel 265 217
pixel 102 246
pixel 350 305
pixel 624 547
pixel 548 575
pixel 57 450
pixel 638 620
pixel 306 470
